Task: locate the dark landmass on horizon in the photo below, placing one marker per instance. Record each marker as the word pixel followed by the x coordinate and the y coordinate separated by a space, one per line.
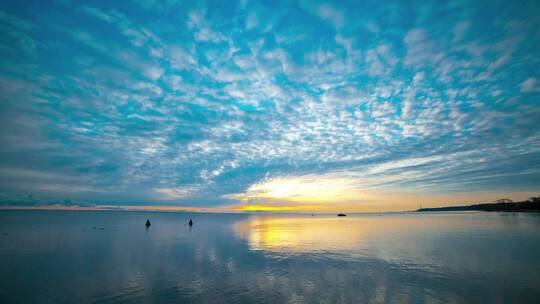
pixel 505 205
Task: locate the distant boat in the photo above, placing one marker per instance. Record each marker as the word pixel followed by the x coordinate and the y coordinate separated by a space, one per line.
pixel 341 214
pixel 148 223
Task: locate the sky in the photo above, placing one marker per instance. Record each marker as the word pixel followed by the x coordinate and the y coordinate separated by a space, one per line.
pixel 269 105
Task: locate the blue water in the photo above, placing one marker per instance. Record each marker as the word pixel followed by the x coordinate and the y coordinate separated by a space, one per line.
pixel 109 257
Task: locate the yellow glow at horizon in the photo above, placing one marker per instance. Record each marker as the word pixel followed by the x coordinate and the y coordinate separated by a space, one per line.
pixel 273 208
pixel 305 189
pixel 334 193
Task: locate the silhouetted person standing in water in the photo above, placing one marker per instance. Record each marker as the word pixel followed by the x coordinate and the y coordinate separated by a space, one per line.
pixel 190 223
pixel 148 223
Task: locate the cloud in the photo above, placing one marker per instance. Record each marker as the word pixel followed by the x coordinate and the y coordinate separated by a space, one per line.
pixel 460 30
pixel 203 31
pixel 529 85
pixel 308 189
pixel 421 51
pixel 176 193
pixel 252 21
pixel 403 163
pixel 332 14
pixel 206 107
pixel 16 22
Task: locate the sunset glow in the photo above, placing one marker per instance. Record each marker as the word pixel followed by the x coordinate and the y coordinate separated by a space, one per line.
pixel 243 106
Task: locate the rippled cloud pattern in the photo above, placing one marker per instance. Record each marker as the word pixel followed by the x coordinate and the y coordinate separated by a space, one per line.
pixel 371 105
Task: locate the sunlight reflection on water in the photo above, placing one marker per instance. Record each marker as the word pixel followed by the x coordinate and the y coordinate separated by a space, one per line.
pixel 52 257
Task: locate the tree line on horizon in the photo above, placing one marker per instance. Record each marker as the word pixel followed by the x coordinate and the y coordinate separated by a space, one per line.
pixel 532 204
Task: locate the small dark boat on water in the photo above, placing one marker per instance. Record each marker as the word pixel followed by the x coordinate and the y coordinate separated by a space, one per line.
pixel 341 214
pixel 148 223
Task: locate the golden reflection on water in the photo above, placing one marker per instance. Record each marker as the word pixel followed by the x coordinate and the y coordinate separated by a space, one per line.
pixel 298 234
pixel 309 234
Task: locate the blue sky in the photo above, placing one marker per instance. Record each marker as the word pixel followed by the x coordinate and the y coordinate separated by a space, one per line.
pixel 357 105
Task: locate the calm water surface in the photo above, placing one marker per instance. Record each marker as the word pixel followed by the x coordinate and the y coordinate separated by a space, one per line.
pixel 109 257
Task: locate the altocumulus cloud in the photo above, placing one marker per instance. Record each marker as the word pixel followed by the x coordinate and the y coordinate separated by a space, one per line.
pixel 360 106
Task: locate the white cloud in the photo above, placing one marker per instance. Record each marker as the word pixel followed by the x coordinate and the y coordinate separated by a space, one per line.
pixel 153 72
pixel 529 85
pixel 460 30
pixel 252 21
pixel 403 163
pixel 180 58
pixel 332 14
pixel 177 192
pixel 420 50
pixel 203 31
pixel 346 43
pixel 343 96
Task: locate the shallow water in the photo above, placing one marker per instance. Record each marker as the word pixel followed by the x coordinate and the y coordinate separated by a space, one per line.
pixel 107 257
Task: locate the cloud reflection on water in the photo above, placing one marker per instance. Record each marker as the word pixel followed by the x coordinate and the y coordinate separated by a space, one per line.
pixel 393 258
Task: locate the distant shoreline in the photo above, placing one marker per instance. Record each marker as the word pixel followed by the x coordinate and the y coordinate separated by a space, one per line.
pixel 531 205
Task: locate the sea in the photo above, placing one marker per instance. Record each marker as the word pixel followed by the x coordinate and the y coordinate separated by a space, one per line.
pixel 112 257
